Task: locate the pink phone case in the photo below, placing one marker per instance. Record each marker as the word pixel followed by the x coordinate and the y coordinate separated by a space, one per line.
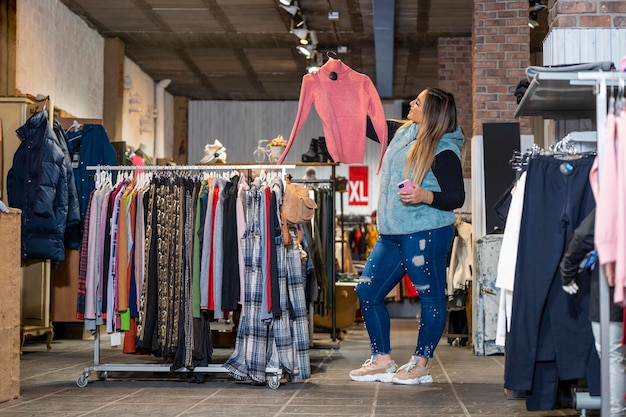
pixel 405 185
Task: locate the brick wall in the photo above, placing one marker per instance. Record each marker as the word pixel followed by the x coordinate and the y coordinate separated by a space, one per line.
pixel 454 57
pixel 501 39
pixel 587 14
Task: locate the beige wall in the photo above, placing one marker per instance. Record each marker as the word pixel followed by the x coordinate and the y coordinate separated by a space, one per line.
pixel 59 56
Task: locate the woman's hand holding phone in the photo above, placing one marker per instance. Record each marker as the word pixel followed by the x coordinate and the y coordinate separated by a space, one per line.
pixel 409 193
pixel 405 185
pixel 406 191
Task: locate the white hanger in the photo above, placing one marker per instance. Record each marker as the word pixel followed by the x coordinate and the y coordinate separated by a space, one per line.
pixel 75 125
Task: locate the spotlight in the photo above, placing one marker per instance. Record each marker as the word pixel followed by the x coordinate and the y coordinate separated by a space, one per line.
pixel 297 20
pixel 305 50
pixel 535 6
pixel 302 34
pixel 532 20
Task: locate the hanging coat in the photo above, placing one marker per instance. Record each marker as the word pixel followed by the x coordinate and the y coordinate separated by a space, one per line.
pixel 38 183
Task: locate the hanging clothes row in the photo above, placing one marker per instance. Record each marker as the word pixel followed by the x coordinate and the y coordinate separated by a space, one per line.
pixel 608 181
pixel 166 250
pixel 610 242
pixel 541 360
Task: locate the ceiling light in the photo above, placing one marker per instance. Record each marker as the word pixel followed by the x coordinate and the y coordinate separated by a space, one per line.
pixel 536 5
pixel 302 34
pixel 333 15
pixel 305 50
pixel 532 20
pixel 342 49
pixel 286 2
pixel 297 20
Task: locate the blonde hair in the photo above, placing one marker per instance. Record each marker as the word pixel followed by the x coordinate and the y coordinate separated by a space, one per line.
pixel 439 118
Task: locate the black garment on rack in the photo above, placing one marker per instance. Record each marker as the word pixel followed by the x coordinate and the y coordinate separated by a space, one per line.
pixel 545 321
pixel 502 205
pixel 73 231
pixel 183 356
pixel 308 267
pixel 324 248
pixel 274 230
pixel 230 241
pixel 148 341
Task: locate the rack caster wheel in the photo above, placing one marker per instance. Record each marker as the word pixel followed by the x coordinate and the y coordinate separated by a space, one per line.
pixel 82 380
pixel 102 376
pixel 273 381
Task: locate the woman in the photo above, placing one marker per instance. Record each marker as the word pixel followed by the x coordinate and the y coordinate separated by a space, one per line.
pixel 416 227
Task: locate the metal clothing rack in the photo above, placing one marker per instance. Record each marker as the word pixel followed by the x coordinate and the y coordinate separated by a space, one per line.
pixel 570 95
pixel 273 375
pixel 186 168
pixel 601 81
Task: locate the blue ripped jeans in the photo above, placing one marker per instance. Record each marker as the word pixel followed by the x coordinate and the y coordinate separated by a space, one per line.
pixel 423 256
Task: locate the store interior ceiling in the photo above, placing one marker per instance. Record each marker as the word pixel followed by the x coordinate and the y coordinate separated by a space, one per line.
pixel 247 49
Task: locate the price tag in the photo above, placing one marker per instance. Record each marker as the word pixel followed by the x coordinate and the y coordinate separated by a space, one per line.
pixel 116 339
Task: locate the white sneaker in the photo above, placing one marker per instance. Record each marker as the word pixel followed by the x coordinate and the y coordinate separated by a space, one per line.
pixel 372 371
pixel 412 374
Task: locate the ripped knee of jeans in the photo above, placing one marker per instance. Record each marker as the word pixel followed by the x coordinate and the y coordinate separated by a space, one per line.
pixel 418 260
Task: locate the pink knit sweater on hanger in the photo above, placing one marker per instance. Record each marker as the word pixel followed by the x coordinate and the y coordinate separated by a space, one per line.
pixel 343 104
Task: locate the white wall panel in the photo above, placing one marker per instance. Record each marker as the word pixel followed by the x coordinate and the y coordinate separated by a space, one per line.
pixel 582 45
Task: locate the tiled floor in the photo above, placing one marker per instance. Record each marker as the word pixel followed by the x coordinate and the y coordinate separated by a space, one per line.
pixel 465 385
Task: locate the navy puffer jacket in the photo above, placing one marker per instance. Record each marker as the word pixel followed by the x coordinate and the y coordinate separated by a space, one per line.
pixel 39 183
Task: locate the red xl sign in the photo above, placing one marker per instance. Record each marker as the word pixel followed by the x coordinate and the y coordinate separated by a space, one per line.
pixel 358 186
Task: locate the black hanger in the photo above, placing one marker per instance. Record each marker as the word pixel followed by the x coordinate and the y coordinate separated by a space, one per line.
pixel 332 55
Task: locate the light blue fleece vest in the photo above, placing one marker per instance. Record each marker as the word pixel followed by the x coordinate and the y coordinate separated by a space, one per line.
pixel 396 218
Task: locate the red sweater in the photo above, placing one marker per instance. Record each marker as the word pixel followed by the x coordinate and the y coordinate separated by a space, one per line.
pixel 343 105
